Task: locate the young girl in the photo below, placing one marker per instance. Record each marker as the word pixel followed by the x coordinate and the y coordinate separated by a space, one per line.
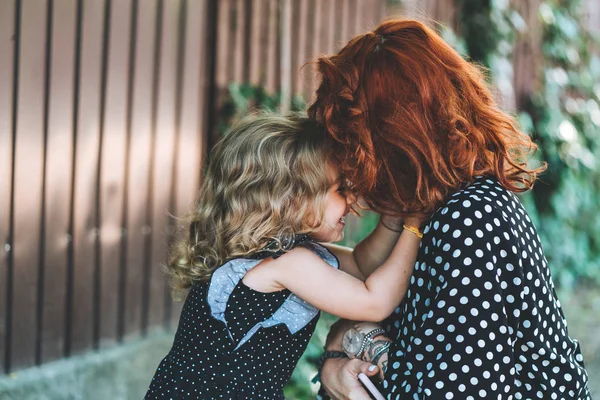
pixel 255 270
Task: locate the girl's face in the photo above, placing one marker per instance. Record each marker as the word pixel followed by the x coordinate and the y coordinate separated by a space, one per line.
pixel 339 200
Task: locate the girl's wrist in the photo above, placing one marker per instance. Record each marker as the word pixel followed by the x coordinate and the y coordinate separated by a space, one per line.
pixel 392 223
pixel 415 230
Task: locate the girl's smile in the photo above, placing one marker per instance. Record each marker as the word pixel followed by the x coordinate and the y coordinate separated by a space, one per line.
pixel 339 201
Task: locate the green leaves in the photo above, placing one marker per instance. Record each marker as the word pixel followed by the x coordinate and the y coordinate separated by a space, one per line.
pixel 563 117
pixel 243 98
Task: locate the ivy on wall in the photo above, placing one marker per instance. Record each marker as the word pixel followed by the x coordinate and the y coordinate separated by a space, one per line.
pixel 563 117
pixel 243 98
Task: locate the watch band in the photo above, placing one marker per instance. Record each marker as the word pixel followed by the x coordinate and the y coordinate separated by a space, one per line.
pixel 330 354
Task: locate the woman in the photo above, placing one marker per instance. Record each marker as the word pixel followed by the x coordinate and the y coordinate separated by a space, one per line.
pixel 417 130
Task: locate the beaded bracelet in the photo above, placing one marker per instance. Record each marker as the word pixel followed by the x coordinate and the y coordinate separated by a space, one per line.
pixel 323 358
pixel 330 354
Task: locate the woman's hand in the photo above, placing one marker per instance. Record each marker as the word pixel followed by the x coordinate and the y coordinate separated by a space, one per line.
pixel 339 377
pixel 336 333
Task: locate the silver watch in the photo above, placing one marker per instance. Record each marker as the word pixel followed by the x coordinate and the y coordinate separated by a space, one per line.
pixel 357 338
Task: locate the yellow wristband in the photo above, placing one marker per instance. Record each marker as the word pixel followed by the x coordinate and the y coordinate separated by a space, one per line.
pixel 414 231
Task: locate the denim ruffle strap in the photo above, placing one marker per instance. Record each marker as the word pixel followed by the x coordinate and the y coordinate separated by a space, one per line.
pixel 295 313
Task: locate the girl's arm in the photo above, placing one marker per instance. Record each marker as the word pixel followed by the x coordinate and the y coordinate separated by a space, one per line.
pixel 370 252
pixel 338 293
pixel 345 256
pixel 374 249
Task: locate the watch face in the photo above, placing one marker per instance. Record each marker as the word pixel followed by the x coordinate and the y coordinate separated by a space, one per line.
pixel 352 341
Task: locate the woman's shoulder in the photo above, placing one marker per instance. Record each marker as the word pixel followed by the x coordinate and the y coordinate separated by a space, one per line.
pixel 483 198
pixel 482 212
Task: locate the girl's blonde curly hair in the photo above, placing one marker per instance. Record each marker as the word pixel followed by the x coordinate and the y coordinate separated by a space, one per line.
pixel 266 180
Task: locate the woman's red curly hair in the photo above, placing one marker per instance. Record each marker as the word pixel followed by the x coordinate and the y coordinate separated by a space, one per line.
pixel 412 121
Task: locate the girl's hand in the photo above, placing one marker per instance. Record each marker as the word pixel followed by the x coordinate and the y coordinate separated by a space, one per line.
pixel 416 220
pixel 392 223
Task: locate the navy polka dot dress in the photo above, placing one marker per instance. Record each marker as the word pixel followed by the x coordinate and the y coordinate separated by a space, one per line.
pixel 481 319
pixel 234 342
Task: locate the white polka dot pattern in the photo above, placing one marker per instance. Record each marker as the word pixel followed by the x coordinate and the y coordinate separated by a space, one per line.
pixel 295 313
pixel 481 318
pixel 204 362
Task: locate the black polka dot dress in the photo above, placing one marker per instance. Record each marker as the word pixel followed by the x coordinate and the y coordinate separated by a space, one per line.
pixel 234 342
pixel 481 319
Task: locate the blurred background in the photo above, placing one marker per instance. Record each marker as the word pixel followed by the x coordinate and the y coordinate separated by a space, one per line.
pixel 108 109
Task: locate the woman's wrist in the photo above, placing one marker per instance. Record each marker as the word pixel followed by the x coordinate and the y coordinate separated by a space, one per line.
pixel 379 345
pixel 327 354
pixel 359 337
pixel 377 353
pixel 336 333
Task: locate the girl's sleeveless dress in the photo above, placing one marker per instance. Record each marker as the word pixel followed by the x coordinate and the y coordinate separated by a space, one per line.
pixel 234 342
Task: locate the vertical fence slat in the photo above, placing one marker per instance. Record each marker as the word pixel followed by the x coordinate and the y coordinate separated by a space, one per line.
pixel 58 178
pixel 112 166
pixel 332 26
pixel 191 117
pixel 325 29
pixel 163 160
pixel 257 42
pixel 240 67
pixel 285 58
pixel 384 9
pixel 314 45
pixel 222 55
pixel 356 26
pixel 299 70
pixel 28 182
pixel 345 23
pixel 173 307
pixel 85 225
pixel 191 145
pixel 139 155
pixel 309 71
pixel 369 15
pixel 338 38
pixel 7 27
pixel 223 43
pixel 272 79
pixel 322 28
pixel 295 44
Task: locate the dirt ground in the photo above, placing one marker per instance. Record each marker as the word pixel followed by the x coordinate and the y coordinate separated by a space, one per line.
pixel 582 310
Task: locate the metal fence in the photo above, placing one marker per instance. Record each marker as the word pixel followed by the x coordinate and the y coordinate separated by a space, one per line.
pixel 105 109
